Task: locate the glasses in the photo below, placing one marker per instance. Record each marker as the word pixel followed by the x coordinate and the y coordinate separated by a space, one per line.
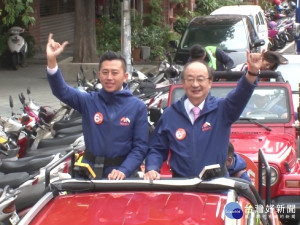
pixel 199 80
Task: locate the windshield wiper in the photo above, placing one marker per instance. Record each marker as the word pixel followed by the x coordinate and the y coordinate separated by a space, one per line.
pixel 253 120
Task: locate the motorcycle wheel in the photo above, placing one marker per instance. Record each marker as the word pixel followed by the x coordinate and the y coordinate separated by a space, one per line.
pixel 290 37
pixel 277 44
pixel 21 59
pixel 280 43
pixel 283 39
pixel 15 61
pixel 272 45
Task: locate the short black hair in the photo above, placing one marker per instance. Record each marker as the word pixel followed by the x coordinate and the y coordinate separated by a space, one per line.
pixel 197 51
pixel 111 55
pixel 230 150
pixel 274 57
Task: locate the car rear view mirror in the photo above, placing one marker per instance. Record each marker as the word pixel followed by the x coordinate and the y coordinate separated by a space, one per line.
pixel 258 42
pixel 173 43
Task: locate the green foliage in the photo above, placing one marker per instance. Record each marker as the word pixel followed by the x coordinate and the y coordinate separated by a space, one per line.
pixel 31 45
pixel 151 31
pixel 156 12
pixel 18 10
pixel 265 5
pixel 108 33
pixel 179 1
pixel 136 29
pixel 3 40
pixel 183 20
pixel 16 13
pixel 205 7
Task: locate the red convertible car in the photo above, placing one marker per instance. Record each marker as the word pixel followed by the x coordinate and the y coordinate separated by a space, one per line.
pixel 136 201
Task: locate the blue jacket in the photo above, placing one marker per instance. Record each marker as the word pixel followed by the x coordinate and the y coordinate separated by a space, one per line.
pixel 205 142
pixel 124 129
pixel 238 164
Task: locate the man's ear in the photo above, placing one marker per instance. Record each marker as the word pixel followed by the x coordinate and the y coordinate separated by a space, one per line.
pixel 126 76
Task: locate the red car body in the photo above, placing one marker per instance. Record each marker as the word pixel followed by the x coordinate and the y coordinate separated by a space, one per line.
pixel 172 201
pixel 134 208
pixel 277 138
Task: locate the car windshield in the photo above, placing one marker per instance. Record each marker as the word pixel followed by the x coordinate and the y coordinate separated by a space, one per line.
pixel 229 38
pixel 288 72
pixel 267 104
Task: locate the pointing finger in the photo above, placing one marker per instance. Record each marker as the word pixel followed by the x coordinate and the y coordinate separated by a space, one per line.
pixel 50 37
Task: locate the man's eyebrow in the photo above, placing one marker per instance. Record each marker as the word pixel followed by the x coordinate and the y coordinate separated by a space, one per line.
pixel 196 75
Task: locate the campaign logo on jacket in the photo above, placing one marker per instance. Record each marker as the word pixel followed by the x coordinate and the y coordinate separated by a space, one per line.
pixel 206 126
pixel 125 121
pixel 98 118
pixel 180 134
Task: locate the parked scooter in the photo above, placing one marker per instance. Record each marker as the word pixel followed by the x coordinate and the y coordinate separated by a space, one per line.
pixel 17 46
pixel 8 213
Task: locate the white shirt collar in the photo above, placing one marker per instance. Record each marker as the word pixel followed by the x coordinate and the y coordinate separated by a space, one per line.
pixel 188 108
pixel 188 105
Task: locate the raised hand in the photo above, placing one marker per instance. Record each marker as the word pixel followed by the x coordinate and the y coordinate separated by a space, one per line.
pixel 254 61
pixel 53 49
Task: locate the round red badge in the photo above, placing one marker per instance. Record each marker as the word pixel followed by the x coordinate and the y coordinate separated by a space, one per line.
pixel 98 118
pixel 180 134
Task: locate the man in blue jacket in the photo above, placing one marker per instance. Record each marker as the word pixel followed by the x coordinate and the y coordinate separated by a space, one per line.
pixel 114 122
pixel 197 140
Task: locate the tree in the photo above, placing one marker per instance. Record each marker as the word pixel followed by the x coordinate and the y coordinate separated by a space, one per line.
pixel 14 12
pixel 85 49
pixel 17 11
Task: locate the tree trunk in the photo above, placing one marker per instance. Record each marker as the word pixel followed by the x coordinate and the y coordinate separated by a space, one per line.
pixel 85 50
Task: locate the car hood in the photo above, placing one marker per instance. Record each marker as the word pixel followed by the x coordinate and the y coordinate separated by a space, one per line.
pixel 134 208
pixel 277 147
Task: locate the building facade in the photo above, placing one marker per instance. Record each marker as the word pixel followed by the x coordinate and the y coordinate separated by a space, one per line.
pixel 57 16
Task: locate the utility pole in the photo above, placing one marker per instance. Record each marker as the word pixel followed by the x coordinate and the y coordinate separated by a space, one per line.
pixel 126 34
pixel 297 39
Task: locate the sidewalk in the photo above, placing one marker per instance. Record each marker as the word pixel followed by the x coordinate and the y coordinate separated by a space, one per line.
pixel 34 76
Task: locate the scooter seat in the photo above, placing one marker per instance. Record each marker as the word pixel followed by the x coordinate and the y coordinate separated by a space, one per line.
pixel 29 196
pixel 68 131
pixel 66 123
pixel 51 142
pixel 14 180
pixel 49 151
pixel 25 165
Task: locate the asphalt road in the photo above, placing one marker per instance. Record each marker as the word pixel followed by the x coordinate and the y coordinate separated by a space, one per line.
pixel 12 83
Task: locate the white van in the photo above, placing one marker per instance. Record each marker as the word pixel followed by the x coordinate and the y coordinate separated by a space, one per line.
pixel 254 12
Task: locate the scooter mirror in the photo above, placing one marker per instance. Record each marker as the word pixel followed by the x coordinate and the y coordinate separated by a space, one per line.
pixel 28 91
pixel 22 98
pixel 81 68
pixel 173 44
pixel 11 103
pixel 95 73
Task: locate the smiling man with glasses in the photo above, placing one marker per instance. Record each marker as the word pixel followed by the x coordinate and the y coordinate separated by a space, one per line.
pixel 196 128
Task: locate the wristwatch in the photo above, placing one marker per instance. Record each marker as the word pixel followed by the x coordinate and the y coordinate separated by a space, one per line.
pixel 254 74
